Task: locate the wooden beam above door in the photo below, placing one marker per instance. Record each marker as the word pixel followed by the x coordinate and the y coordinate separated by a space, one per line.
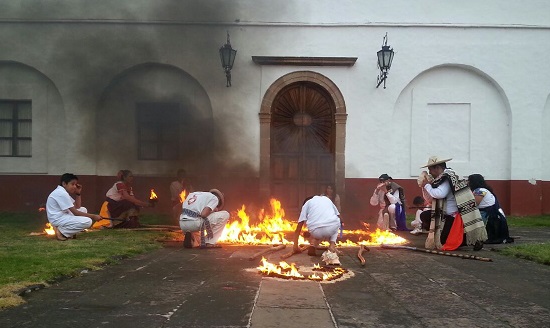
pixel 304 61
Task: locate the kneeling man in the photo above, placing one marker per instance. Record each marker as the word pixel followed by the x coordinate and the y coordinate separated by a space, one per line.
pixel 323 221
pixel 202 213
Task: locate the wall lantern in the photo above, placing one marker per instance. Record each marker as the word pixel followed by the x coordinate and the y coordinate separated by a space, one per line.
pixel 227 56
pixel 385 57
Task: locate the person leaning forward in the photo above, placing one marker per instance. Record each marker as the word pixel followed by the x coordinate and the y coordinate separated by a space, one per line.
pixel 202 212
pixel 455 219
pixel 322 219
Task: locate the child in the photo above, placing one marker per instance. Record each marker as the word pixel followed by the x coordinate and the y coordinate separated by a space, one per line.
pixel 421 206
pixel 64 212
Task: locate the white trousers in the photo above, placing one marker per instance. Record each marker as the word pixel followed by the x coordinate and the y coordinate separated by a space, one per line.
pixel 69 224
pixel 392 223
pixel 329 233
pixel 217 222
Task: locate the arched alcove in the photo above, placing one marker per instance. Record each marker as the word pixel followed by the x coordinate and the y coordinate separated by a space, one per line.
pixel 453 111
pixel 46 152
pixel 154 118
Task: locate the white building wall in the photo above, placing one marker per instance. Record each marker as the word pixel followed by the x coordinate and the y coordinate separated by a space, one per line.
pixel 81 46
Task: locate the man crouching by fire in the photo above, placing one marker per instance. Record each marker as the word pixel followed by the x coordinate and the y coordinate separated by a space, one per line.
pixel 202 212
pixel 65 213
pixel 323 221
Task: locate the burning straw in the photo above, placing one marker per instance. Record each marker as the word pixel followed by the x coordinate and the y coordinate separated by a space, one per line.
pixel 287 271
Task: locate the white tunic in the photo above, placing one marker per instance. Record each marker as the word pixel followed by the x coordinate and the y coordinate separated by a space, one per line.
pixel 57 208
pixel 319 212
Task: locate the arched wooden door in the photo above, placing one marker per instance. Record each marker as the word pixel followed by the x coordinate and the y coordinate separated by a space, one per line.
pixel 302 143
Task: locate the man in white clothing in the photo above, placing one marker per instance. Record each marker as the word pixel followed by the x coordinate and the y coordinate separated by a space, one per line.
pixel 323 221
pixel 387 199
pixel 201 212
pixel 65 213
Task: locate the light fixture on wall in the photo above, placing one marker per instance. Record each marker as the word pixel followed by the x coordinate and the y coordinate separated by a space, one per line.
pixel 385 57
pixel 227 56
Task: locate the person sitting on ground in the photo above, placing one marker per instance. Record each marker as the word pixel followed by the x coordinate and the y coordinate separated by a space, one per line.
pixel 121 202
pixel 491 212
pixel 322 219
pixel 64 212
pixel 330 192
pixel 391 198
pixel 176 188
pixel 455 218
pixel 202 212
pixel 421 207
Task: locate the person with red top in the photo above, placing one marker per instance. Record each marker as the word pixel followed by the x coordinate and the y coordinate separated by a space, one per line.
pixel 121 202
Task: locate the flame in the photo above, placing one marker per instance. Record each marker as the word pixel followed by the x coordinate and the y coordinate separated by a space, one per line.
pixel 383 237
pixel 273 229
pixel 41 209
pixel 289 271
pixel 183 195
pixel 49 229
pixel 283 270
pixel 153 195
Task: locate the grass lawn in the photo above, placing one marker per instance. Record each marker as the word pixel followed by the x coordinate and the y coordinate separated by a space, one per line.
pixel 535 252
pixel 28 260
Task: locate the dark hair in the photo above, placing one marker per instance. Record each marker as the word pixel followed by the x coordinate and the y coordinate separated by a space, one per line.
pixel 123 174
pixel 418 200
pixel 384 177
pixel 305 200
pixel 333 187
pixel 67 177
pixel 181 173
pixel 478 181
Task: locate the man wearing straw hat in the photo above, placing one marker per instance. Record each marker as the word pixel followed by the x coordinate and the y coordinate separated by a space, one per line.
pixel 202 212
pixel 455 219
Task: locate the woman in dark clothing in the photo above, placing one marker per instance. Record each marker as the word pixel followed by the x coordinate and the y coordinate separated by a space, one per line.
pixel 491 213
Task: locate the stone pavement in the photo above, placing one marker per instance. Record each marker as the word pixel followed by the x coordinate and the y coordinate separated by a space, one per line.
pixel 177 287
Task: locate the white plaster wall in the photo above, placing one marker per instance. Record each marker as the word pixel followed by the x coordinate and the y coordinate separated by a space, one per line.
pixel 400 12
pixel 546 141
pixel 81 46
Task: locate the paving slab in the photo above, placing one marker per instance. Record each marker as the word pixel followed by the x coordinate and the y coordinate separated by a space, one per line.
pixel 177 287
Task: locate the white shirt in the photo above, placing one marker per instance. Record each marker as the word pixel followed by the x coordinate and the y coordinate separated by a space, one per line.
pixel 58 204
pixel 197 201
pixel 319 212
pixel 444 191
pixel 488 197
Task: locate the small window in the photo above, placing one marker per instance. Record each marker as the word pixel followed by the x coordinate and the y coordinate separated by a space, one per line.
pixel 15 128
pixel 158 131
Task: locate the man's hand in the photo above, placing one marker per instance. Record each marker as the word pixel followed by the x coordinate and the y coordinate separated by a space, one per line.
pixel 78 189
pixel 96 217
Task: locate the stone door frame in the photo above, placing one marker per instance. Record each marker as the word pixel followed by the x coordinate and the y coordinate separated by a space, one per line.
pixel 340 117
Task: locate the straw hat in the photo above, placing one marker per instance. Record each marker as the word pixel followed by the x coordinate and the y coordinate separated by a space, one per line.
pixel 434 160
pixel 220 196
